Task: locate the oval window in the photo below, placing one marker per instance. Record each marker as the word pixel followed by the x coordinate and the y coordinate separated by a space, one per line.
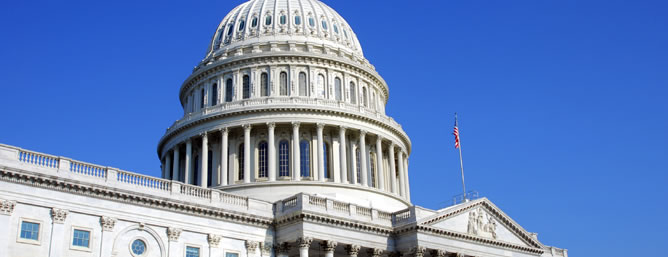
pixel 311 22
pixel 229 31
pixel 267 20
pixel 324 25
pixel 138 247
pixel 254 22
pixel 242 25
pixel 283 19
pixel 345 34
pixel 336 29
pixel 298 20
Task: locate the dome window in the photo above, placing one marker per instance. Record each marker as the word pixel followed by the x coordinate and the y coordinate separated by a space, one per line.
pixel 229 31
pixel 242 25
pixel 254 22
pixel 267 20
pixel 298 20
pixel 283 19
pixel 311 22
pixel 324 24
pixel 345 34
pixel 336 29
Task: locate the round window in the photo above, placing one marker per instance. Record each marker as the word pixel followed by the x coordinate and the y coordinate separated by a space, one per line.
pixel 138 247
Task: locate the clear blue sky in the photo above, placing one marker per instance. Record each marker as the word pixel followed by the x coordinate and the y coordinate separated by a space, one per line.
pixel 564 116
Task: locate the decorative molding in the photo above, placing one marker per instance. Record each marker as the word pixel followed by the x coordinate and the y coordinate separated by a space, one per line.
pixel 59 215
pixel 331 221
pixel 266 248
pixel 437 253
pixel 271 125
pixel 352 250
pixel 107 223
pixel 251 246
pixel 375 252
pixel 7 207
pixel 480 226
pixel 304 242
pixel 417 251
pixel 214 240
pixel 173 234
pixel 328 245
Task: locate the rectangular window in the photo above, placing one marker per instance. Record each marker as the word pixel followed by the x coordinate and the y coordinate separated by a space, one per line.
pixel 30 230
pixel 228 254
pixel 192 251
pixel 81 238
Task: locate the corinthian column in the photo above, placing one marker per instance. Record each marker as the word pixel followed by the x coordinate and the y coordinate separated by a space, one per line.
pixel 296 176
pixel 304 243
pixel 247 152
pixel 223 156
pixel 365 180
pixel 272 151
pixel 204 177
pixel 379 163
pixel 402 176
pixel 168 166
pixel 189 155
pixel 176 168
pixel 352 250
pixel 321 156
pixel 343 168
pixel 393 171
pixel 329 247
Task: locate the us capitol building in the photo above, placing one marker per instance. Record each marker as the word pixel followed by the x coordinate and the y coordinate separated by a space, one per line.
pixel 284 150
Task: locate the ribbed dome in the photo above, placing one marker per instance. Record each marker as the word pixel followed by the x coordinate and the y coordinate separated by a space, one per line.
pixel 263 21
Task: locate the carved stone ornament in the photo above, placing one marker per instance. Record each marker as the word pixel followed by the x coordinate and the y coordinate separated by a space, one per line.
pixel 304 242
pixel 375 252
pixel 417 251
pixel 328 245
pixel 214 240
pixel 352 250
pixel 107 223
pixel 7 207
pixel 174 234
pixel 437 253
pixel 266 248
pixel 59 215
pixel 251 246
pixel 481 224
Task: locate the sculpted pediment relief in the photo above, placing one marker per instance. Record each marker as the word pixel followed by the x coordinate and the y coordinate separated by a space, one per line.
pixel 482 219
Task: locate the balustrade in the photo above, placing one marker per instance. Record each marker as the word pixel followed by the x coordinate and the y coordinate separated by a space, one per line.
pixel 38 159
pixel 88 169
pixel 143 181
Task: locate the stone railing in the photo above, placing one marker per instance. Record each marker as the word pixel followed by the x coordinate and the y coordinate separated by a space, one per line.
pixel 285 101
pixel 29 161
pixel 325 206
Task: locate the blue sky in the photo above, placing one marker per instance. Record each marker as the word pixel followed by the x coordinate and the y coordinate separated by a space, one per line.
pixel 562 104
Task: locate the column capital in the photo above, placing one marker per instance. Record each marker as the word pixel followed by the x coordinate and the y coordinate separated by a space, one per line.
pixel 304 242
pixel 204 134
pixel 246 126
pixel 363 132
pixel 173 233
pixel 328 245
pixel 379 138
pixel 375 252
pixel 352 250
pixel 295 124
pixel 59 215
pixel 417 251
pixel 437 253
pixel 271 125
pixel 265 248
pixel 320 125
pixel 107 223
pixel 251 245
pixel 224 130
pixel 214 240
pixel 343 128
pixel 7 207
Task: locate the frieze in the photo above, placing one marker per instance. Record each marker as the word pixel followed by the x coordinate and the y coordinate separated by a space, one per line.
pixel 481 224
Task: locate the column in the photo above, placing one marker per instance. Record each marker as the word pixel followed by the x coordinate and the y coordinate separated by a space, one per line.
pixel 321 156
pixel 251 247
pixel 214 244
pixel 106 239
pixel 189 154
pixel 272 151
pixel 364 174
pixel 343 168
pixel 58 231
pixel 6 210
pixel 296 176
pixel 375 252
pixel 393 171
pixel 176 168
pixel 408 184
pixel 352 250
pixel 223 156
pixel 173 235
pixel 247 153
pixel 304 243
pixel 353 164
pixel 168 166
pixel 379 163
pixel 329 247
pixel 204 177
pixel 402 177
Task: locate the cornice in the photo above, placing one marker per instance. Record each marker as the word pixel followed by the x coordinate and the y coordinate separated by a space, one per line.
pixel 476 239
pixel 123 196
pixel 306 216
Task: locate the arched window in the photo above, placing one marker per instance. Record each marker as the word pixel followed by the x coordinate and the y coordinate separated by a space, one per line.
pixel 264 84
pixel 322 92
pixel 372 161
pixel 241 161
pixel 201 99
pixel 230 29
pixel 214 94
pixel 283 19
pixel 284 159
pixel 364 97
pixel 298 20
pixel 311 21
pixel 353 93
pixel 325 153
pixel 229 90
pixel 336 29
pixel 337 89
pixel 209 170
pixel 242 25
pixel 373 100
pixel 284 83
pixel 324 24
pixel 303 89
pixel 358 169
pixel 345 34
pixel 246 87
pixel 267 20
pixel 254 22
pixel 305 158
pixel 263 160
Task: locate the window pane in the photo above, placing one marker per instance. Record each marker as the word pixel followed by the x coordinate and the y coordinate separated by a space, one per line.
pixel 353 93
pixel 29 230
pixel 305 158
pixel 214 94
pixel 267 20
pixel 254 22
pixel 298 20
pixel 311 22
pixel 242 25
pixel 283 19
pixel 229 89
pixel 302 84
pixel 264 84
pixel 201 98
pixel 263 173
pixel 138 247
pixel 192 251
pixel 284 83
pixel 325 153
pixel 246 88
pixel 337 88
pixel 284 158
pixel 231 255
pixel 324 25
pixel 241 161
pixel 230 29
pixel 358 166
pixel 81 238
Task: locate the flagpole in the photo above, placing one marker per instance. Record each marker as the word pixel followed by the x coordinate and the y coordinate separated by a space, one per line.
pixel 461 162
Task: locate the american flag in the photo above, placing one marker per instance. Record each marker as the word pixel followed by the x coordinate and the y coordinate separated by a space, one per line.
pixel 456 133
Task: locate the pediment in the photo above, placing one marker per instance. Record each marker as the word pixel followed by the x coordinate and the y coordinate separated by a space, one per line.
pixel 480 219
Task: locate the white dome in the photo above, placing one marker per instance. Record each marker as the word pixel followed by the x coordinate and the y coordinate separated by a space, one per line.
pixel 263 21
